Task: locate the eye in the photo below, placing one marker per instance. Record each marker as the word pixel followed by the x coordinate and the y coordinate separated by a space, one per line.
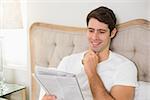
pixel 102 32
pixel 91 30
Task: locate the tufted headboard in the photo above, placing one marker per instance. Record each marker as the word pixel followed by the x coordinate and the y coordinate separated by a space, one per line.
pixel 50 43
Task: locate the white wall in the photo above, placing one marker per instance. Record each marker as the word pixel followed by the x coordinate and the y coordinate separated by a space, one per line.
pixel 74 12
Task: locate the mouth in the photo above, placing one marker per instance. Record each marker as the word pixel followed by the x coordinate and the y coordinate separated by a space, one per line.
pixel 95 44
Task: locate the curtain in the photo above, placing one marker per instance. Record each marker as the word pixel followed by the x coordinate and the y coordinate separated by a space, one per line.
pixel 10 14
pixel 13 32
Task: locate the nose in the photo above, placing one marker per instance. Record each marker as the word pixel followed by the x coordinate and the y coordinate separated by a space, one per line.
pixel 95 35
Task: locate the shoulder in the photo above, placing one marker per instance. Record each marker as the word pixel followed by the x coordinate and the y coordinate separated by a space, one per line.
pixel 75 56
pixel 72 59
pixel 126 71
pixel 71 63
pixel 120 59
pixel 123 63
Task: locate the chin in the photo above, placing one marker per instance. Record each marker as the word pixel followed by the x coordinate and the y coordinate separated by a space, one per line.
pixel 95 49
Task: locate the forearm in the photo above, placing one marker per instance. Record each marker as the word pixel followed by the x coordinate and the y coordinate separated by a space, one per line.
pixel 97 87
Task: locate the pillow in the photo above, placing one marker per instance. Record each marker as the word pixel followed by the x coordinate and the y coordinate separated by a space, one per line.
pixel 142 92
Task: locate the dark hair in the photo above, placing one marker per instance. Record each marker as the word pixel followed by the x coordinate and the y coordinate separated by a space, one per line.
pixel 103 14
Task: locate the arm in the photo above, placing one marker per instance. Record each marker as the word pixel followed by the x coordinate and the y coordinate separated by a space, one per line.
pixel 116 93
pixel 123 92
pixel 97 87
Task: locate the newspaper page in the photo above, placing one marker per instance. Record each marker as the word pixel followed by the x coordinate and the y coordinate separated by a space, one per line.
pixel 64 85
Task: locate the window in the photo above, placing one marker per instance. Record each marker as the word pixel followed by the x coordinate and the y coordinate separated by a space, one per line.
pixel 13 30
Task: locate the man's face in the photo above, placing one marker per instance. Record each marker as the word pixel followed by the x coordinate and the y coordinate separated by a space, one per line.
pixel 98 35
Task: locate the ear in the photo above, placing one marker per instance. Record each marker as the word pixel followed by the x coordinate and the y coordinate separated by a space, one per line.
pixel 113 32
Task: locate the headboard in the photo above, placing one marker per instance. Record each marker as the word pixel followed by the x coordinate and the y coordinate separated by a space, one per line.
pixel 49 43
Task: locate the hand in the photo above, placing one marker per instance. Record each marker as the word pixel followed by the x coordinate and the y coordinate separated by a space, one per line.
pixel 90 62
pixel 49 97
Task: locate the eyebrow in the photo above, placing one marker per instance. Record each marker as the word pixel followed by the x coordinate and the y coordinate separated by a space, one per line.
pixel 97 29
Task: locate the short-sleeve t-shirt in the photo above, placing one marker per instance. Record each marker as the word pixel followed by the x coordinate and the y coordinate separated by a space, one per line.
pixel 116 70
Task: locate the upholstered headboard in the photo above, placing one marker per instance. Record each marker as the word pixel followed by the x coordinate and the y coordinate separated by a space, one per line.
pixel 50 43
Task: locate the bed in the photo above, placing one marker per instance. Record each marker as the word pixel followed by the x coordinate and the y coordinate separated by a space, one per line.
pixel 49 43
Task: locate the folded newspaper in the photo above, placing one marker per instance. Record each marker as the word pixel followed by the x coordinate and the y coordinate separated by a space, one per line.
pixel 62 84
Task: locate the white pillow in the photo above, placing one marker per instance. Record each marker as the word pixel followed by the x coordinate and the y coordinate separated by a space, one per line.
pixel 142 92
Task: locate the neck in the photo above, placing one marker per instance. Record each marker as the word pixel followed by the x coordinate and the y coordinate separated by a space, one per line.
pixel 103 55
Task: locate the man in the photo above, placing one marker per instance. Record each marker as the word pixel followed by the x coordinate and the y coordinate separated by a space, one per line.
pixel 103 74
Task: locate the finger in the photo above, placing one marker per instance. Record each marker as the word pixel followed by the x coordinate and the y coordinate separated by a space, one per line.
pixel 88 54
pixel 52 97
pixel 90 50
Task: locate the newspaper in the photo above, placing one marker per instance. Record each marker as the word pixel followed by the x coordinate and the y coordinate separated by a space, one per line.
pixel 63 85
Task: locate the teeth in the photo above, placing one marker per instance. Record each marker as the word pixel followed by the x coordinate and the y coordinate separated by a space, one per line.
pixel 95 43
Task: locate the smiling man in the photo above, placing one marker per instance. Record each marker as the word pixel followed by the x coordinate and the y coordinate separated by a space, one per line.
pixel 103 74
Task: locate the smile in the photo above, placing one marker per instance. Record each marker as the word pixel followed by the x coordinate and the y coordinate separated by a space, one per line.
pixel 94 44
